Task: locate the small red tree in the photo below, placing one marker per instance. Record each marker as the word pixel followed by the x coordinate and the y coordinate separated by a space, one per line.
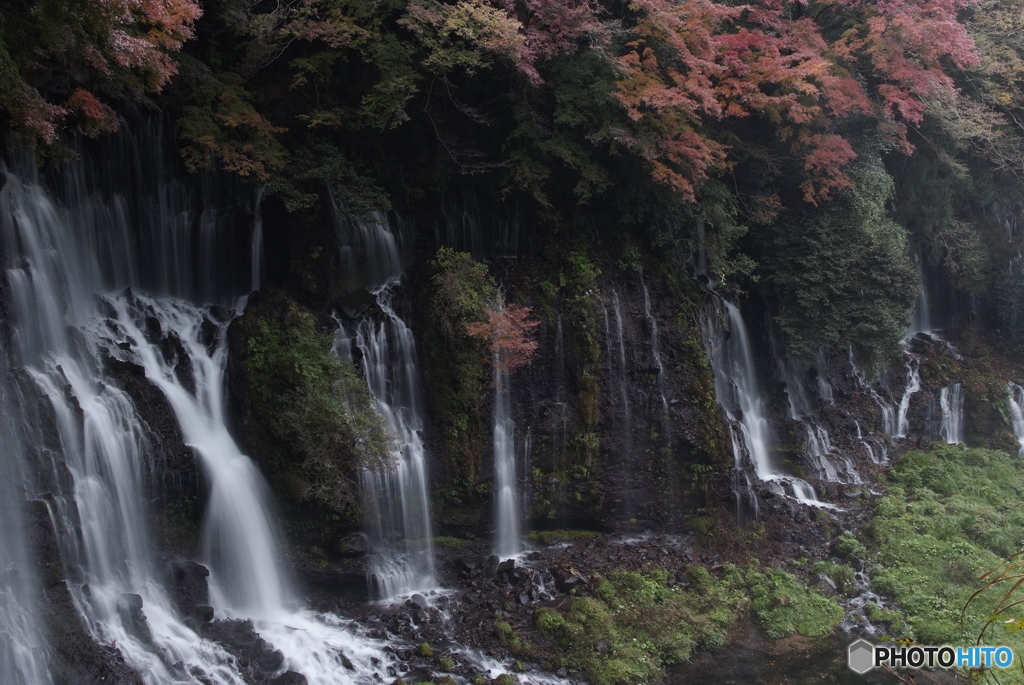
pixel 508 334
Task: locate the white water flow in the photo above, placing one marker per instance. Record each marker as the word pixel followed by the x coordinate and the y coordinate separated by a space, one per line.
pixel 24 657
pixel 652 323
pixel 67 267
pixel 829 466
pixel 951 401
pixel 1017 410
pixel 506 507
pixel 560 434
pixel 396 501
pixel 890 425
pixel 739 393
pixel 623 375
pixel 912 387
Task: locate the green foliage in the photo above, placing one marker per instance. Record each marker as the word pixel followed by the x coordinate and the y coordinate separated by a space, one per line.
pixel 947 520
pixel 452 543
pixel 423 649
pixel 830 295
pixel 447 664
pixel 841 575
pixel 460 292
pixel 549 537
pixel 316 408
pixel 784 605
pixel 638 624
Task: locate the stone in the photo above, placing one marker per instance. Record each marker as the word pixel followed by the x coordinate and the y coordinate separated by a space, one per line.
pixel 420 601
pixel 289 678
pixel 129 608
pixel 189 585
pixel 353 545
pixel 825 585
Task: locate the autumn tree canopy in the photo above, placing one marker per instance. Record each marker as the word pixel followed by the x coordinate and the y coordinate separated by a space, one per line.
pixel 693 122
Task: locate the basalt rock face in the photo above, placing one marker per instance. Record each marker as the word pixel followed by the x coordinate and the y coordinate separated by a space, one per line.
pixel 77 658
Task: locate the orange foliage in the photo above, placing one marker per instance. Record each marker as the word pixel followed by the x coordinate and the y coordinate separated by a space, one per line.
pixel 508 333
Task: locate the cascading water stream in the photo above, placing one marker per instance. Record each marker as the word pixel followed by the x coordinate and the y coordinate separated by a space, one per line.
pixel 951 401
pixel 739 394
pixel 652 323
pixel 62 265
pixel 1017 410
pixel 627 416
pixel 506 539
pixel 912 387
pixel 396 502
pixel 24 657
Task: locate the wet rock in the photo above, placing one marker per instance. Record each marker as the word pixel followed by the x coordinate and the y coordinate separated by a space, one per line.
pixel 188 582
pixel 129 608
pixel 825 585
pixel 420 601
pixel 289 678
pixel 240 639
pixel 353 545
pixel 567 577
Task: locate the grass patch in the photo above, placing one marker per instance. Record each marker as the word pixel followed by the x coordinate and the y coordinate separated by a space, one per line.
pixel 638 624
pixel 549 537
pixel 456 544
pixel 950 516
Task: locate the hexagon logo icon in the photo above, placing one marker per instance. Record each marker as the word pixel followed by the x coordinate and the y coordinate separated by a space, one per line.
pixel 860 656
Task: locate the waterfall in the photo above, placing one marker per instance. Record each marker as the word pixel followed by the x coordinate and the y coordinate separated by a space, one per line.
pixel 396 502
pixel 24 654
pixel 627 417
pixel 560 435
pixel 739 393
pixel 652 323
pixel 831 467
pixel 506 542
pixel 889 423
pixel 913 385
pixel 922 320
pixel 951 401
pixel 1017 409
pixel 76 273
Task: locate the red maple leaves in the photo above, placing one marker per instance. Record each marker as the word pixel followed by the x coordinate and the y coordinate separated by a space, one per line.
pixel 508 333
pixel 694 61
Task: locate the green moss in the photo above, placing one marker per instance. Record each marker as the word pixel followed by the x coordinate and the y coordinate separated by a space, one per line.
pixel 504 633
pixel 446 664
pixel 948 518
pixel 313 409
pixel 784 605
pixel 549 537
pixel 459 292
pixel 452 543
pixel 638 624
pixel 841 575
pixel 423 649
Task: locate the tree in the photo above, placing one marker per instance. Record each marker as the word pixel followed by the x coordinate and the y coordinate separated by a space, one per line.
pixel 58 57
pixel 508 333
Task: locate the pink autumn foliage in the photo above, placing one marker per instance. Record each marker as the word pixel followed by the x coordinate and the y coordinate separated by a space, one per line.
pixel 691 61
pixel 123 42
pixel 508 333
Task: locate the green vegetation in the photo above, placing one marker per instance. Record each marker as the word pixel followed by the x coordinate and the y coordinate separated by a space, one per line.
pixel 637 625
pixel 549 537
pixel 949 517
pixel 460 292
pixel 311 413
pixel 423 649
pixel 452 543
pixel 829 294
